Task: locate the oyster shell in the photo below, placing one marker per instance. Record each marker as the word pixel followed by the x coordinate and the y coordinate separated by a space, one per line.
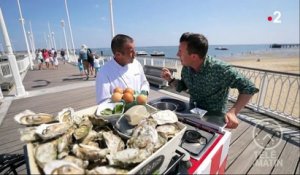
pixel 62 167
pixel 144 135
pixel 87 152
pixel 164 117
pixel 64 142
pixel 66 115
pixel 83 130
pixel 77 161
pixel 45 153
pixel 28 134
pixel 28 117
pixel 128 156
pixel 113 142
pixel 49 131
pixel 91 137
pixel 107 170
pixel 168 130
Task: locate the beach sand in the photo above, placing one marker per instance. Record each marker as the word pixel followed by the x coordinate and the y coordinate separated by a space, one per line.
pixel 282 61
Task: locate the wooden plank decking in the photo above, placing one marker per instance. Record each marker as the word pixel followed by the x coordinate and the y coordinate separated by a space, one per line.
pixel 245 156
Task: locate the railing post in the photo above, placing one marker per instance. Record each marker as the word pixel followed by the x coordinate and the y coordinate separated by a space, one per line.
pixel 20 90
pixel 1 95
pixel 263 91
pixel 144 61
pixel 151 61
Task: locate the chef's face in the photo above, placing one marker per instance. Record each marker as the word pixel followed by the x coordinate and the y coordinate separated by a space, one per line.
pixel 128 53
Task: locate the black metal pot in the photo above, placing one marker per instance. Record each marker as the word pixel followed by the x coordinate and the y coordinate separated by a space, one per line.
pixel 165 106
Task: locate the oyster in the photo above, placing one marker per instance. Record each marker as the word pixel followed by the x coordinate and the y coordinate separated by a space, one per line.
pixel 164 117
pixel 28 117
pixel 144 135
pixel 97 121
pixel 49 131
pixel 128 156
pixel 77 161
pixel 28 134
pixel 62 167
pixel 45 153
pixel 168 130
pixel 64 142
pixel 83 130
pixel 66 115
pixel 87 152
pixel 113 142
pixel 161 141
pixel 91 137
pixel 107 170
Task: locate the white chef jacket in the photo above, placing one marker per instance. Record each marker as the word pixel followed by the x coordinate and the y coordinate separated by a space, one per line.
pixel 113 75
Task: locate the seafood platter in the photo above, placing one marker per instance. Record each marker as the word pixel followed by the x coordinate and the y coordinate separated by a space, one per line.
pixel 88 142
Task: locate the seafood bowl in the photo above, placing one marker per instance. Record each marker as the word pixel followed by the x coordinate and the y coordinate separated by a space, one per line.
pixel 86 148
pixel 110 111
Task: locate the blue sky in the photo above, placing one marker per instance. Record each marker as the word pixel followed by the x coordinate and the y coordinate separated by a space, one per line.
pixel 155 22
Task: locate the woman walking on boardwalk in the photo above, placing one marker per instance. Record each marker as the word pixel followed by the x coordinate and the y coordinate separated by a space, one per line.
pixel 46 58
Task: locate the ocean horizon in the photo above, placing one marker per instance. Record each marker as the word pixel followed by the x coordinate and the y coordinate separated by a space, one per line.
pixel 171 51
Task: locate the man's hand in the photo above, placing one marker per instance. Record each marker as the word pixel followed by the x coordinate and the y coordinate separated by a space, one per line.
pixel 231 120
pixel 166 74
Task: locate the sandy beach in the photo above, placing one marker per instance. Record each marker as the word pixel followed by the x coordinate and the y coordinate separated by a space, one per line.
pixel 282 60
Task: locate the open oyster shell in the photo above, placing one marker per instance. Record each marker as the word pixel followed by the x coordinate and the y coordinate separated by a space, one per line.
pixel 164 117
pixel 107 170
pixel 62 167
pixel 45 153
pixel 49 131
pixel 28 118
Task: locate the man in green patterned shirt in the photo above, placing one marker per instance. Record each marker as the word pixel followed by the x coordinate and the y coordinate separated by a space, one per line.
pixel 208 80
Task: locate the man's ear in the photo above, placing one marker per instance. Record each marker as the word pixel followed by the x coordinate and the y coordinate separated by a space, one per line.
pixel 118 54
pixel 194 56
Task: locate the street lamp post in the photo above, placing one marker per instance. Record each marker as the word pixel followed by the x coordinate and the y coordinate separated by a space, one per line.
pixel 31 44
pixel 50 36
pixel 73 47
pixel 20 90
pixel 25 36
pixel 32 37
pixel 62 22
pixel 54 43
pixel 111 19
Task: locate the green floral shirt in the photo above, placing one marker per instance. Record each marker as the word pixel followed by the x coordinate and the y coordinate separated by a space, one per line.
pixel 210 86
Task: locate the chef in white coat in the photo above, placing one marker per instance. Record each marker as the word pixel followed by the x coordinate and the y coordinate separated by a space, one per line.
pixel 122 71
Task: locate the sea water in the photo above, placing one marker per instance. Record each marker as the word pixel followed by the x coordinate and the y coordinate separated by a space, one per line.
pixel 171 51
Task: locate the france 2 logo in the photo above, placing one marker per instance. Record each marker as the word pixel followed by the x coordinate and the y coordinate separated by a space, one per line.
pixel 276 16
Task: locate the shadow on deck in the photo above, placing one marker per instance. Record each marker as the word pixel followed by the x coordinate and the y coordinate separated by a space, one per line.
pixel 249 151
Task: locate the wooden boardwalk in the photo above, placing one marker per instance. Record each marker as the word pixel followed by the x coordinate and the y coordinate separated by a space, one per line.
pixel 57 89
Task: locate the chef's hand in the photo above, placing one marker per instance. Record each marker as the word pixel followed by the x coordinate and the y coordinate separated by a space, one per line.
pixel 231 120
pixel 166 74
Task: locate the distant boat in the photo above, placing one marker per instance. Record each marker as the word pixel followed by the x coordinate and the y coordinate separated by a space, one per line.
pixel 141 53
pixel 221 48
pixel 157 54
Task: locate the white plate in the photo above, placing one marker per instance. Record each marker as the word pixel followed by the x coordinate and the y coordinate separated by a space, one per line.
pixel 111 106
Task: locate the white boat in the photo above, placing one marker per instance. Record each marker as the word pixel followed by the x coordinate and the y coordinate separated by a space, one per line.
pixel 157 54
pixel 221 48
pixel 141 53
